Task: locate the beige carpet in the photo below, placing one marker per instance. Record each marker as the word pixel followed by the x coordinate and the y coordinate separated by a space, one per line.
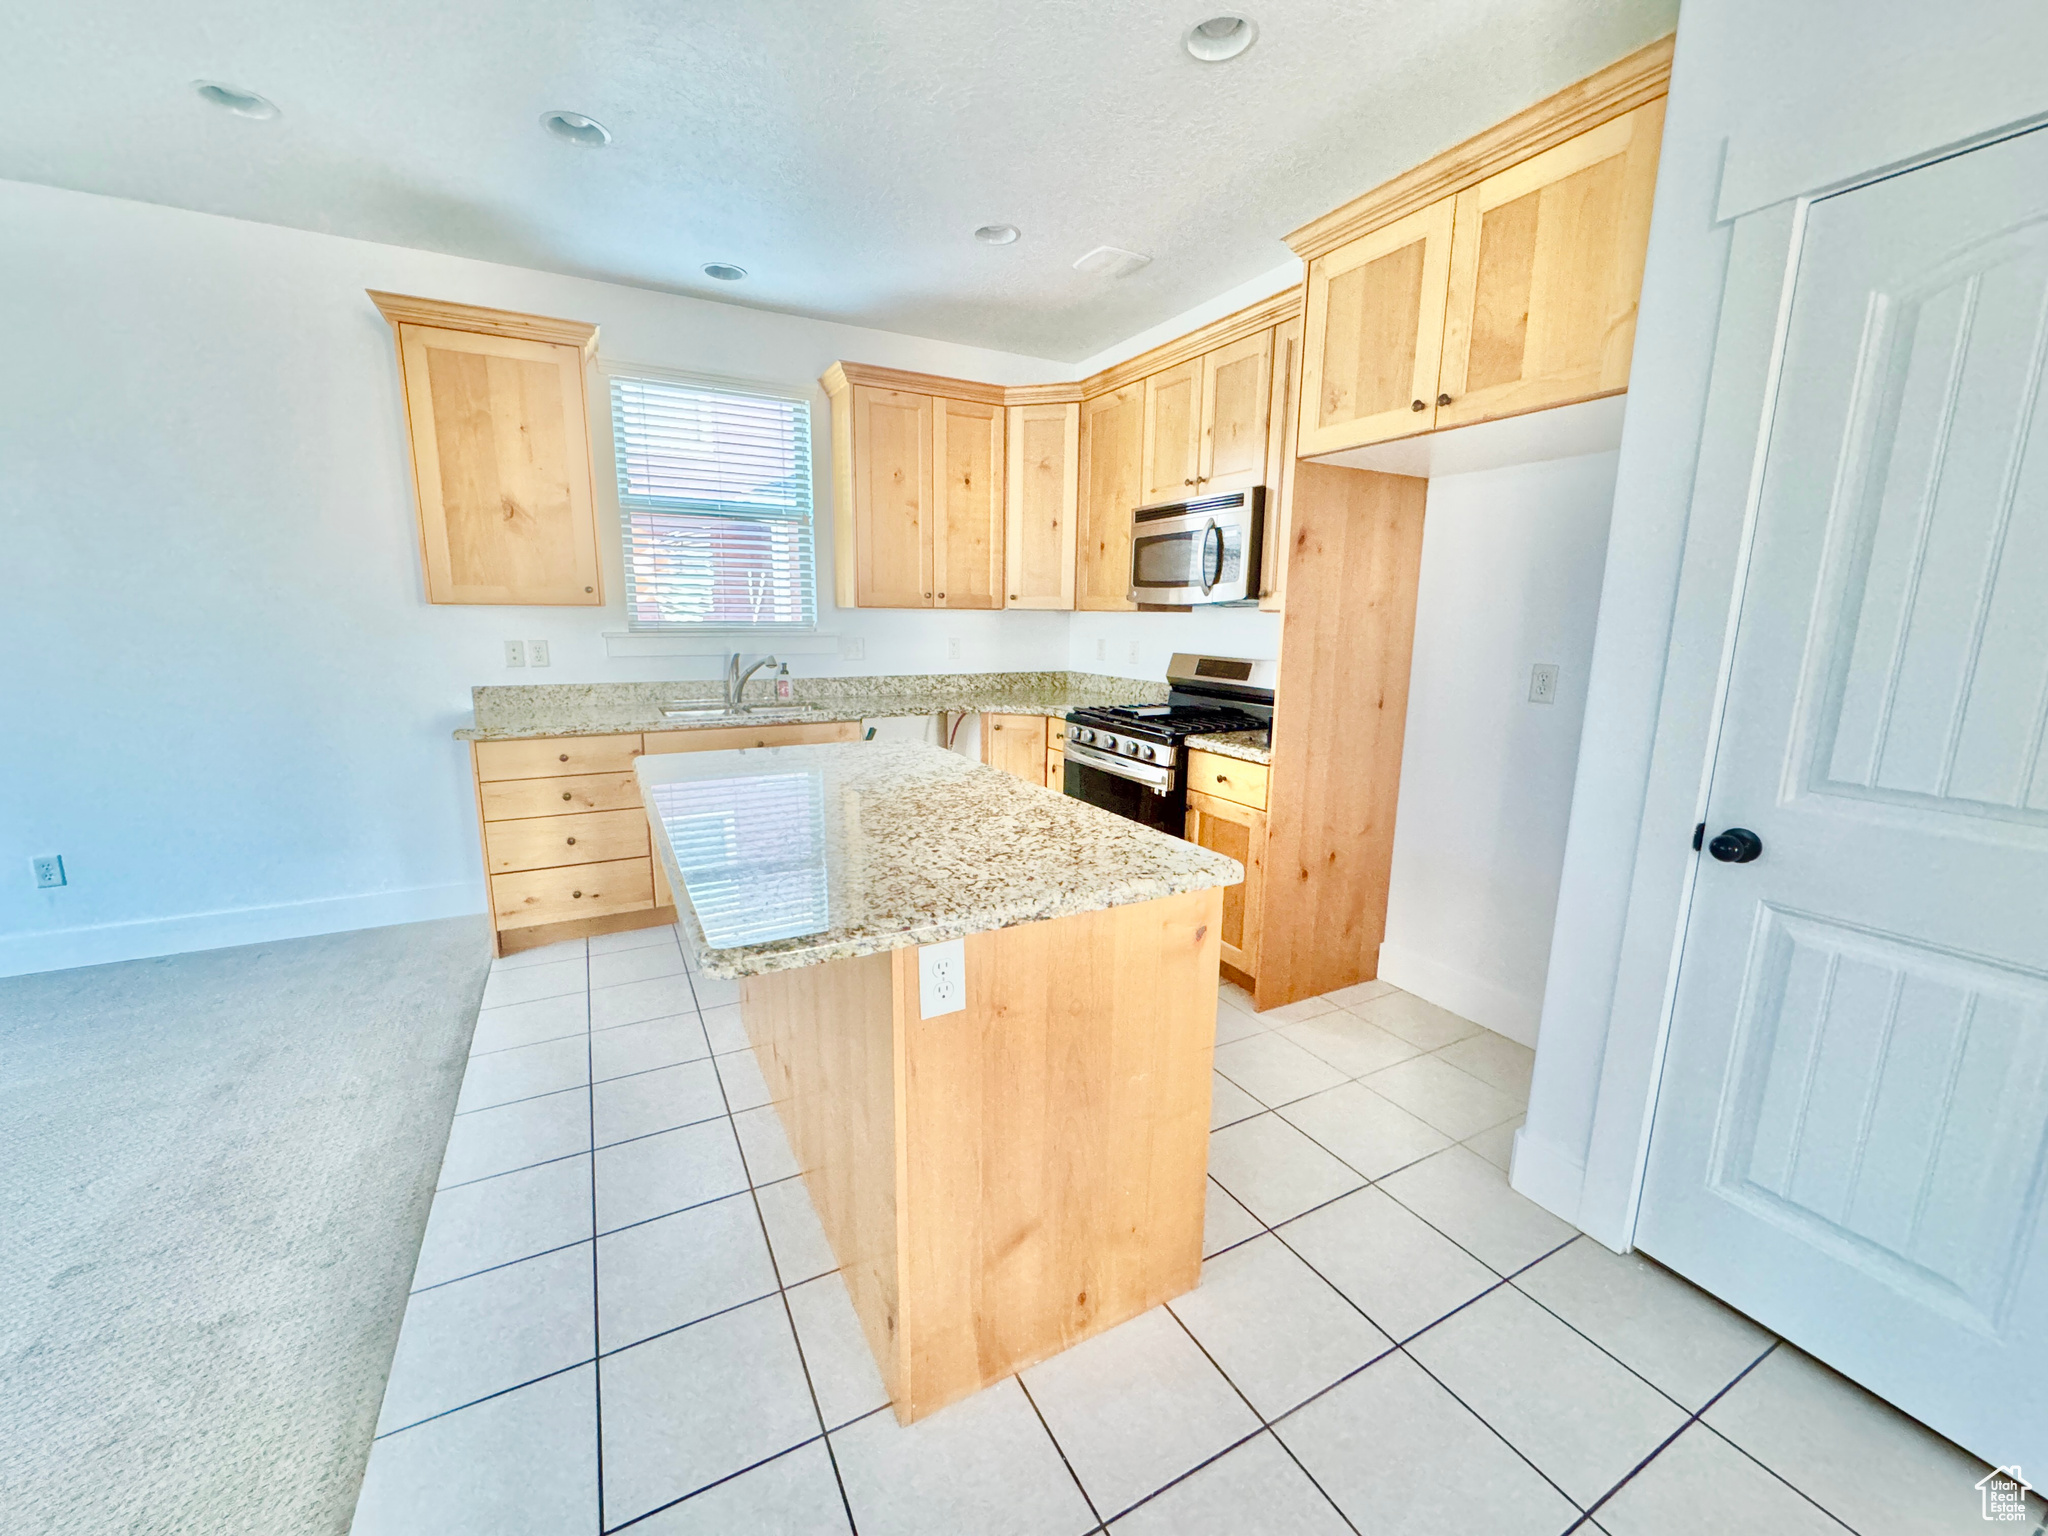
pixel 214 1174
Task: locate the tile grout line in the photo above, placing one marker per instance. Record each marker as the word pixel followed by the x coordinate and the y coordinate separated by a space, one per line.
pixel 1061 1451
pixel 1693 1418
pixel 1265 1424
pixel 775 1266
pixel 596 1301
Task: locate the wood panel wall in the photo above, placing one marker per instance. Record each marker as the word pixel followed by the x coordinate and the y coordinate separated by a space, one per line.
pixel 1355 553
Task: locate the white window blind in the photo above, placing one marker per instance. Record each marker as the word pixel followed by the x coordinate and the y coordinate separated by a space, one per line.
pixel 715 488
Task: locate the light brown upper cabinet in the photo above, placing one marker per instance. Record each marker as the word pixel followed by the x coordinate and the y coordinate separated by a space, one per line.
pixel 967 533
pixel 1043 504
pixel 1281 426
pixel 1205 422
pixel 1112 464
pixel 1374 335
pixel 500 452
pixel 1173 434
pixel 917 491
pixel 1498 278
pixel 1546 265
pixel 892 498
pixel 1236 383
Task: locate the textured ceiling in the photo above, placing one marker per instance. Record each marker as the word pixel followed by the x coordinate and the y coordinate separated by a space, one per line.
pixel 842 152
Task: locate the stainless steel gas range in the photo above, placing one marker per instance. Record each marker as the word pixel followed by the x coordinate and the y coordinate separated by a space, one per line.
pixel 1133 758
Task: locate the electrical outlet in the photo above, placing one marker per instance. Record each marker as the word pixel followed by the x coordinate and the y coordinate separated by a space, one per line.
pixel 536 653
pixel 515 653
pixel 49 871
pixel 952 647
pixel 1543 683
pixel 941 978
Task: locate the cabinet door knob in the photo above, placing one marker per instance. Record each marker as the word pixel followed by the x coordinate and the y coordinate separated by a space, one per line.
pixel 565 794
pixel 1418 405
pixel 1187 482
pixel 1443 399
pixel 565 757
pixel 1013 597
pixel 572 842
pixel 942 597
pixel 577 894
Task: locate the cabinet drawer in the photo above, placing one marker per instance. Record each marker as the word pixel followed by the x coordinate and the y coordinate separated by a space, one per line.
pixel 556 756
pixel 582 890
pixel 542 842
pixel 511 799
pixel 724 738
pixel 1228 778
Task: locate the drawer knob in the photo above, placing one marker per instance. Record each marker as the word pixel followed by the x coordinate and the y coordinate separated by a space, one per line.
pixel 577 894
pixel 572 842
pixel 565 794
pixel 565 757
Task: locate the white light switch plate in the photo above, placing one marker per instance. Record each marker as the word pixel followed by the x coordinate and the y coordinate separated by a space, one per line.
pixel 941 978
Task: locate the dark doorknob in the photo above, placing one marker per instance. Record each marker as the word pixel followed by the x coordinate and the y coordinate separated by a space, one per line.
pixel 1738 845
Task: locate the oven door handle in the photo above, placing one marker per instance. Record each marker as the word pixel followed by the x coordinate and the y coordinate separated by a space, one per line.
pixel 1208 581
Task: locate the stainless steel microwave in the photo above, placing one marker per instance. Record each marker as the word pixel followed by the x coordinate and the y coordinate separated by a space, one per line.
pixel 1204 551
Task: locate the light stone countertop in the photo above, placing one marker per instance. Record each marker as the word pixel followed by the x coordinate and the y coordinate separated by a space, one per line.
pixel 792 856
pixel 1251 746
pixel 604 709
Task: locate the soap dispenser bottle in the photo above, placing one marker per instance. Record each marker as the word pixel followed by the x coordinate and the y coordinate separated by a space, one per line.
pixel 784 688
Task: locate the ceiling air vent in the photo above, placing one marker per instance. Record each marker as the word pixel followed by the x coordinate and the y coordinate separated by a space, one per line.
pixel 1110 261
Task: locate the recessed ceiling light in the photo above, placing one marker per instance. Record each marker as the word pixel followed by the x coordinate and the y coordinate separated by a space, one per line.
pixel 997 234
pixel 233 99
pixel 1220 38
pixel 724 271
pixel 577 129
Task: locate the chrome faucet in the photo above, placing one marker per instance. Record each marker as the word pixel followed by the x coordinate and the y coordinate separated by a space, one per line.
pixel 736 680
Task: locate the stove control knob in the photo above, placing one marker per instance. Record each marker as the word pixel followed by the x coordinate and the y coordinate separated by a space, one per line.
pixel 1130 749
pixel 1151 754
pixel 1106 741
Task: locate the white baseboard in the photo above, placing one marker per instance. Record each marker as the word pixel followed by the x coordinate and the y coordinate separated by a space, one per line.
pixel 1546 1174
pixel 62 948
pixel 1468 996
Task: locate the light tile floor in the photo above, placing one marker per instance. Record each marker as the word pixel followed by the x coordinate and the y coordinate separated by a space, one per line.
pixel 626 1315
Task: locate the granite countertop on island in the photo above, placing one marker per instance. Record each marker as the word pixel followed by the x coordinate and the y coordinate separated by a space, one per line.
pixel 1251 746
pixel 793 856
pixel 603 709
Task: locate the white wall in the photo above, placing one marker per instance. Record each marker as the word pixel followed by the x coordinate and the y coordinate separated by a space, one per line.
pixel 1141 644
pixel 1511 562
pixel 226 702
pixel 1875 82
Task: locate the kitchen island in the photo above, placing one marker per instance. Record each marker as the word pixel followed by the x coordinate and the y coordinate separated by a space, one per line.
pixel 986 1013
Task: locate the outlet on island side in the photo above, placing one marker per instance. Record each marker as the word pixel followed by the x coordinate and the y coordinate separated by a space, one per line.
pixel 941 978
pixel 1543 683
pixel 49 871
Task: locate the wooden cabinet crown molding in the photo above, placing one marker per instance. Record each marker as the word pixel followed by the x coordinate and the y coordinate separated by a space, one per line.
pixel 404 309
pixel 1231 328
pixel 1621 87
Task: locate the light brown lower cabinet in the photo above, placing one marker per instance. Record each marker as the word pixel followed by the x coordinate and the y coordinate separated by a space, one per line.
pixel 566 846
pixel 1237 832
pixel 1056 769
pixel 1016 744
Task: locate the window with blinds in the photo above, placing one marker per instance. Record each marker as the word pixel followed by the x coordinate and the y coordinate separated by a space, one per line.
pixel 715 491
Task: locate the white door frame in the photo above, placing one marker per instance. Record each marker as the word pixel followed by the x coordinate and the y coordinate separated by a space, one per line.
pixel 1604 1196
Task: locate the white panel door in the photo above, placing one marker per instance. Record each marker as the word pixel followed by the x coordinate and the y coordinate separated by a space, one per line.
pixel 1851 1126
